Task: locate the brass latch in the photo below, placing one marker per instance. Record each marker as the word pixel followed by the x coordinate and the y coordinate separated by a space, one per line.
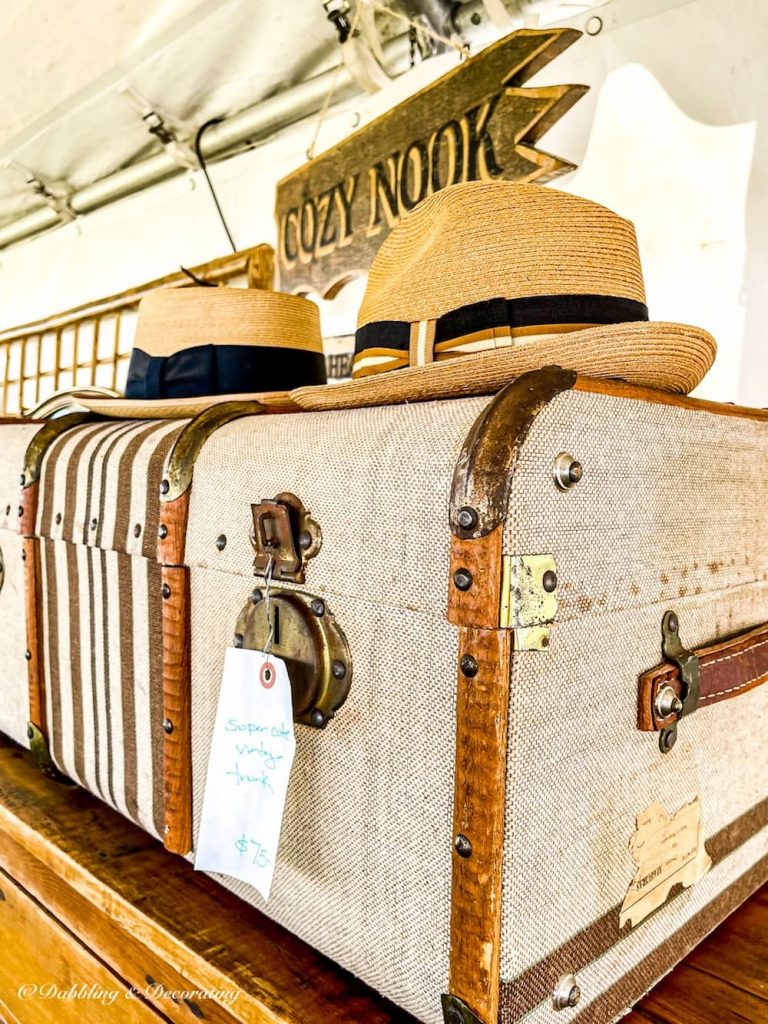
pixel 529 599
pixel 285 536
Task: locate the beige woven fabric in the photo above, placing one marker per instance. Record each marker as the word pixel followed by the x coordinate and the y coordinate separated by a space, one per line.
pixel 98 516
pixel 14 689
pixel 641 533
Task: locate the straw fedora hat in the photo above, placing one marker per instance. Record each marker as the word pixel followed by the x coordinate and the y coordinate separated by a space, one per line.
pixel 485 280
pixel 195 347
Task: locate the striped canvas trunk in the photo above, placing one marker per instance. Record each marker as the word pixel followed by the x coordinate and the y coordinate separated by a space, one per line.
pixel 471 831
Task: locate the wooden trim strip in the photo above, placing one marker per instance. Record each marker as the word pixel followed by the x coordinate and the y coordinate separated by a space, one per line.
pixel 33 606
pixel 478 817
pixel 177 709
pixel 620 389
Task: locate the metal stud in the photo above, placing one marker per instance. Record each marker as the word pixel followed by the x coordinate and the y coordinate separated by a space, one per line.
pixel 673 623
pixel 165 590
pixel 462 579
pixel 238 639
pixel 667 702
pixel 256 596
pixel 28 655
pixel 668 738
pixel 567 993
pixel 20 511
pixel 317 718
pixel 7 510
pixel 467 518
pixel 162 531
pixel 305 540
pixel 165 486
pixel 468 665
pixel 94 523
pixel 338 669
pixel 23 555
pixel 549 581
pixel 462 846
pixel 221 541
pixel 22 479
pixel 168 726
pixel 318 607
pixel 58 518
pixel 567 471
pixel 137 530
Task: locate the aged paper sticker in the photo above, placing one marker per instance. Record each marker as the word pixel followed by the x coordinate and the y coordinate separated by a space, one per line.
pixel 668 850
pixel 248 770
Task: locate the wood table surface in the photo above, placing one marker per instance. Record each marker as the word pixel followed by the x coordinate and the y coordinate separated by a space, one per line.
pixel 83 886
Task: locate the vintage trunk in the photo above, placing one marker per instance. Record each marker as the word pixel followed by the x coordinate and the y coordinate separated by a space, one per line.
pixel 491 580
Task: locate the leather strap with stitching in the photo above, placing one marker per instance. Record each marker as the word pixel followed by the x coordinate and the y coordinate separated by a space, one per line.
pixel 727 668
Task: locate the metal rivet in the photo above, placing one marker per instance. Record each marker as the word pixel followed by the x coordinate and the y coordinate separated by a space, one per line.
pixel 28 655
pixel 168 726
pixel 667 738
pixel 318 607
pixel 94 523
pixel 567 471
pixel 22 479
pixel 468 665
pixel 221 542
pixel 238 639
pixel 594 26
pixel 162 531
pixel 476 18
pixel 667 702
pixel 7 510
pixel 462 579
pixel 30 732
pixel 463 846
pixel 58 518
pixel 165 590
pixel 317 718
pixel 20 511
pixel 165 486
pixel 549 581
pixel 338 669
pixel 256 596
pixel 466 518
pixel 137 530
pixel 567 993
pixel 23 556
pixel 305 540
pixel 672 623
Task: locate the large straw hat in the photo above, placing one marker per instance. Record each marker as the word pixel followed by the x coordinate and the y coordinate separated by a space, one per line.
pixel 485 280
pixel 196 346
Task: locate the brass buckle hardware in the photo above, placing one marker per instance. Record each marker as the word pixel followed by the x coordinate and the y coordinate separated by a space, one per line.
pixel 284 535
pixel 690 679
pixel 456 1011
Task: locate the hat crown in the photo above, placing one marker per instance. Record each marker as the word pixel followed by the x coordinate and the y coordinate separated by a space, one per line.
pixel 497 239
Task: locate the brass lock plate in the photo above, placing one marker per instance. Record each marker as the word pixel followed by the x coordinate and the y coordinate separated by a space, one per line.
pixel 284 536
pixel 309 640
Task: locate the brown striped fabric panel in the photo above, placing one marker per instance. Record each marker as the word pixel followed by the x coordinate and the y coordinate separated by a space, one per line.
pixel 102 608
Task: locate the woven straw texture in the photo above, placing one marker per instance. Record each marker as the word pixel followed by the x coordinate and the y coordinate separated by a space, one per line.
pixel 643 532
pixel 670 357
pixel 14 691
pixel 98 517
pixel 485 240
pixel 171 319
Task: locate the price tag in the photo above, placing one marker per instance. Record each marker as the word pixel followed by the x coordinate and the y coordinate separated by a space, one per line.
pixel 248 770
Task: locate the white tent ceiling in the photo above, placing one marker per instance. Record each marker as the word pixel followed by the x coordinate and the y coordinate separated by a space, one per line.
pixel 62 115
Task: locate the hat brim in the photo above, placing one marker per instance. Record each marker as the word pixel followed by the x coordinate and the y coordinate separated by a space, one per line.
pixel 667 357
pixel 177 408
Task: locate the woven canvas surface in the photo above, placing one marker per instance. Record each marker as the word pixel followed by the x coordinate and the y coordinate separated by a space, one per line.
pixel 97 517
pixel 365 857
pixel 670 514
pixel 14 690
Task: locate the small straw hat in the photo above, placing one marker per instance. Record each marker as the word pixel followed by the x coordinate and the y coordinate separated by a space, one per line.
pixel 197 346
pixel 485 280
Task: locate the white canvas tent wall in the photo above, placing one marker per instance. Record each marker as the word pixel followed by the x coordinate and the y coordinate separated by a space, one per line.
pixel 673 134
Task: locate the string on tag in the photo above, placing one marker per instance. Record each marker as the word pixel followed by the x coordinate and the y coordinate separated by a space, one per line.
pixel 267 584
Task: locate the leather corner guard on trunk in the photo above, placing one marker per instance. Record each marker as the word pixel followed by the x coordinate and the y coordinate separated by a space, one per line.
pixel 479 504
pixel 690 680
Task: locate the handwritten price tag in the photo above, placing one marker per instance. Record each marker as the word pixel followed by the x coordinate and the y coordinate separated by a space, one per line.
pixel 248 770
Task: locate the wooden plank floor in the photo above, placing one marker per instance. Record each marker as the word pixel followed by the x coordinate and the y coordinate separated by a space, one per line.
pixel 110 896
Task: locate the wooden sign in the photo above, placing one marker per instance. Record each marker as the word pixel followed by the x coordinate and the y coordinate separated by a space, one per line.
pixel 477 121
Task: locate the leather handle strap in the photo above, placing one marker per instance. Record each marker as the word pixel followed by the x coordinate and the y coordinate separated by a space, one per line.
pixel 726 669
